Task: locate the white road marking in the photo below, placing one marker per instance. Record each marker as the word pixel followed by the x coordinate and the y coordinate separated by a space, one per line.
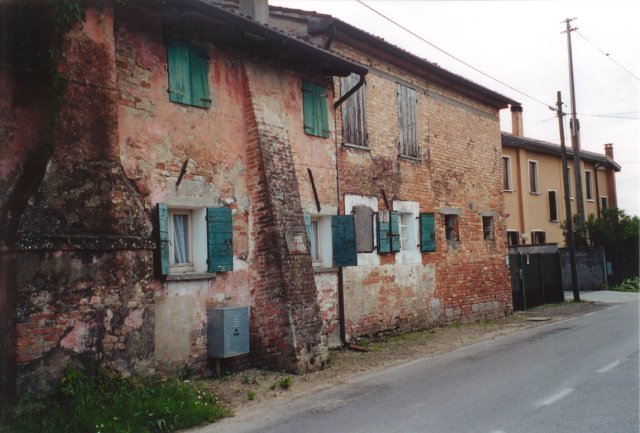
pixel 556 397
pixel 611 366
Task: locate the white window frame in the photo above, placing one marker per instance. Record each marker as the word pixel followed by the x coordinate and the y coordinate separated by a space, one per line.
pixel 509 177
pixel 556 202
pixel 197 239
pixel 351 201
pixel 324 241
pixel 537 176
pixel 409 212
pixel 588 182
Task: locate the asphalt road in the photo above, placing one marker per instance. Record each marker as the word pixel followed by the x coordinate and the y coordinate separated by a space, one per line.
pixel 580 375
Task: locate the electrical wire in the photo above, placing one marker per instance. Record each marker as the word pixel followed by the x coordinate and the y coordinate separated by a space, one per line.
pixel 607 55
pixel 454 57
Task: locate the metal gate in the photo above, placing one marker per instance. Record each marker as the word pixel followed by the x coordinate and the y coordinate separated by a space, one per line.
pixel 536 279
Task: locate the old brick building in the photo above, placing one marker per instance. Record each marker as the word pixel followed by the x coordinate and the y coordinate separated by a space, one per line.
pixel 185 156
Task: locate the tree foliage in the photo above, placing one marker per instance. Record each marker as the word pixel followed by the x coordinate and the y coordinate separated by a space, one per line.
pixel 617 232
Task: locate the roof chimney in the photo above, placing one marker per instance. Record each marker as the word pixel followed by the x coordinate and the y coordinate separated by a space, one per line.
pixel 258 10
pixel 608 150
pixel 516 120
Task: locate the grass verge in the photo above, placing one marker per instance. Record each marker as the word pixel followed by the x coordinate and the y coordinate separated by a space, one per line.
pixel 109 403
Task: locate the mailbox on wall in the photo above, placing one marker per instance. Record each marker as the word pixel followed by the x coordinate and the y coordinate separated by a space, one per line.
pixel 227 331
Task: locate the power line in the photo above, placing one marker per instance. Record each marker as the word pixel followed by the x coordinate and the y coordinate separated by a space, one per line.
pixel 607 55
pixel 454 57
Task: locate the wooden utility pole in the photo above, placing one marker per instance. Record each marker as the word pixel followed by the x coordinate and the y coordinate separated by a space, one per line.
pixel 575 128
pixel 567 205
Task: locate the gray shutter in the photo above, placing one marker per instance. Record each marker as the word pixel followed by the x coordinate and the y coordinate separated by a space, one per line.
pixel 407 133
pixel 364 228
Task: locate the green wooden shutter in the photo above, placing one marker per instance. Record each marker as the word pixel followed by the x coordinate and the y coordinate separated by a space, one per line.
pixel 219 240
pixel 178 70
pixel 321 108
pixel 394 218
pixel 309 112
pixel 307 226
pixel 427 232
pixel 343 232
pixel 199 75
pixel 384 240
pixel 163 232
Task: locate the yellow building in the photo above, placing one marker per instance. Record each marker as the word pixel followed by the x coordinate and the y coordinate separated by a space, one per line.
pixel 533 185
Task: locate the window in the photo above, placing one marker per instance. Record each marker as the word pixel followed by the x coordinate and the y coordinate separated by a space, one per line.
pixel 588 184
pixel 570 182
pixel 538 237
pixel 553 206
pixel 407 133
pixel 188 70
pixel 451 227
pixel 506 173
pixel 353 114
pixel 604 202
pixel 408 241
pixel 513 238
pixel 314 104
pixel 197 240
pixel 487 228
pixel 533 177
pixel 180 241
pixel 320 241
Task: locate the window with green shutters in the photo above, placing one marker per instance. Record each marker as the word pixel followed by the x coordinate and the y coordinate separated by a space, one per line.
pixel 388 223
pixel 343 231
pixel 188 70
pixel 427 232
pixel 314 102
pixel 195 240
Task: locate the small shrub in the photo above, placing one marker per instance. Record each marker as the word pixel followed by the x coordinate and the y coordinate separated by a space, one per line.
pixel 107 402
pixel 251 395
pixel 285 382
pixel 629 285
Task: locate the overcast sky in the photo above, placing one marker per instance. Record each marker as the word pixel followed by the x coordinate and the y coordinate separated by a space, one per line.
pixel 520 43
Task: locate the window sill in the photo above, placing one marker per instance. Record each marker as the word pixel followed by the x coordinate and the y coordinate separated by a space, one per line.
pixel 410 158
pixel 509 190
pixel 591 200
pixel 323 269
pixel 356 147
pixel 190 276
pixel 535 193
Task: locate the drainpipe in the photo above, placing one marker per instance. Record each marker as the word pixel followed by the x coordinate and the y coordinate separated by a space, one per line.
pixel 353 90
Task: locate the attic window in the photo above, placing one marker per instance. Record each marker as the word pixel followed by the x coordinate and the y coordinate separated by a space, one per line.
pixel 314 102
pixel 188 70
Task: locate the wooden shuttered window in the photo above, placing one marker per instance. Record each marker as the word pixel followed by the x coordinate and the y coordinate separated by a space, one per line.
pixel 219 240
pixel 314 104
pixel 407 132
pixel 344 240
pixel 427 232
pixel 353 112
pixel 188 70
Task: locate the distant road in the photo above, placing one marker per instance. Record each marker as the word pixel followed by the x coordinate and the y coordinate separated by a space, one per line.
pixel 579 375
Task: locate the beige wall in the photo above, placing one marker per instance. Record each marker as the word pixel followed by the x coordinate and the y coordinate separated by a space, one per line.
pixel 529 211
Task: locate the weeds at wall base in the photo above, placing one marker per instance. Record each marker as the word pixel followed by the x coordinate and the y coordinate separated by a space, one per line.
pixel 109 403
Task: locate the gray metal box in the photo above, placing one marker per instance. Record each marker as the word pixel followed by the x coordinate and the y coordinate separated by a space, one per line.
pixel 227 331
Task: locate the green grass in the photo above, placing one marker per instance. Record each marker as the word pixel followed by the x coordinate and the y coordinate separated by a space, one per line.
pixel 629 285
pixel 108 403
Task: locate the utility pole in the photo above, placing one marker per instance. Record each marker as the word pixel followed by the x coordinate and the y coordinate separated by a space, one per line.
pixel 567 205
pixel 575 128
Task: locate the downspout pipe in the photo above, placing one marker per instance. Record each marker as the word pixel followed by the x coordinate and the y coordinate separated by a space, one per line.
pixel 596 166
pixel 353 90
